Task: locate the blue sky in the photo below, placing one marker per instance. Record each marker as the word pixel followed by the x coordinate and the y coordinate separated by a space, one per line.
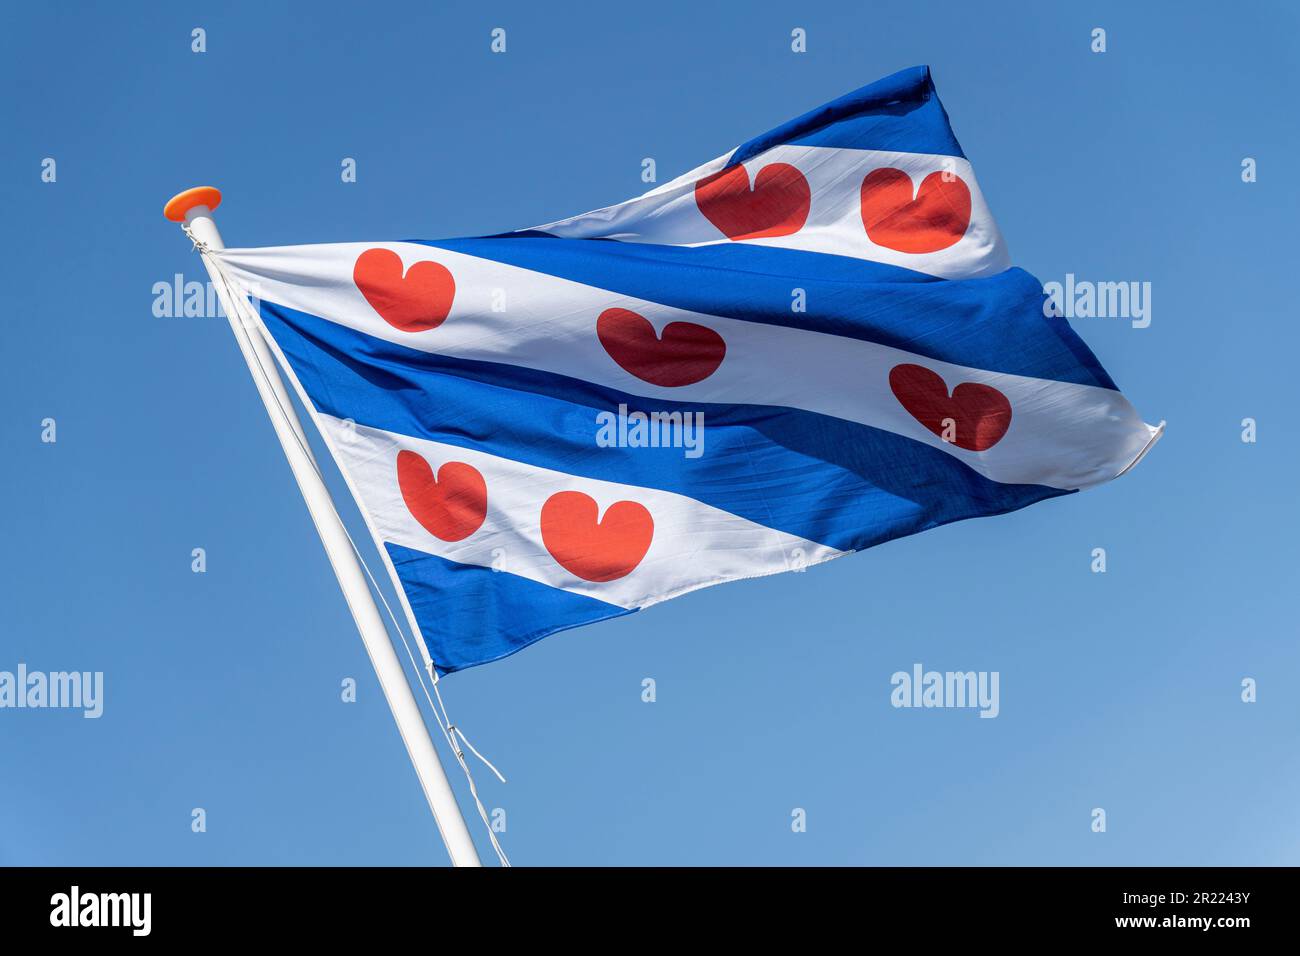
pixel 222 690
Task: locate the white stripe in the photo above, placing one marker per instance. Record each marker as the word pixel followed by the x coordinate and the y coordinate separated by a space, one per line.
pixel 1062 435
pixel 694 544
pixel 669 215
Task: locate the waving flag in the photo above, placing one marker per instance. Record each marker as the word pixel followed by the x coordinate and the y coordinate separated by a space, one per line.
pixel 806 347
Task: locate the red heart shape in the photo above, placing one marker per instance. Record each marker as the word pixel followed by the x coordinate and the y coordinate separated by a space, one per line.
pixel 592 548
pixel 687 353
pixel 975 416
pixel 937 218
pixel 776 206
pixel 414 302
pixel 452 506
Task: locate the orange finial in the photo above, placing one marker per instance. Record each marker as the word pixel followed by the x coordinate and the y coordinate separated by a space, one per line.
pixel 182 203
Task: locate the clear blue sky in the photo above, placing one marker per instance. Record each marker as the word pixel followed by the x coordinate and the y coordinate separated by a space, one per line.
pixel 1118 690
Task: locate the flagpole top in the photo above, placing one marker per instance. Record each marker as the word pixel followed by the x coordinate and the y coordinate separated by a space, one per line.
pixel 182 203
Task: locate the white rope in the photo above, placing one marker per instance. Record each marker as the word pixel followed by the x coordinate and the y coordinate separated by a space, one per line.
pixel 450 730
pixel 203 248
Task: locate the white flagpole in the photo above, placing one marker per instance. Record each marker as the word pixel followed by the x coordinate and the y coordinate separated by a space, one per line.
pixel 194 208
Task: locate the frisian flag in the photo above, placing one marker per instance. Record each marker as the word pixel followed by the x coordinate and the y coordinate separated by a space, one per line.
pixel 832 300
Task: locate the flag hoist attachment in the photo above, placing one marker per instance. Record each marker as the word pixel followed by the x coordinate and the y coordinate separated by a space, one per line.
pixel 193 209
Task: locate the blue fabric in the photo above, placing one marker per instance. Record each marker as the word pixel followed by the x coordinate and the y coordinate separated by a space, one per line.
pixel 996 323
pixel 471 615
pixel 900 113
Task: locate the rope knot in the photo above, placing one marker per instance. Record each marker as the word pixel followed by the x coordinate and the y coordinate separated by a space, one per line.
pixel 202 247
